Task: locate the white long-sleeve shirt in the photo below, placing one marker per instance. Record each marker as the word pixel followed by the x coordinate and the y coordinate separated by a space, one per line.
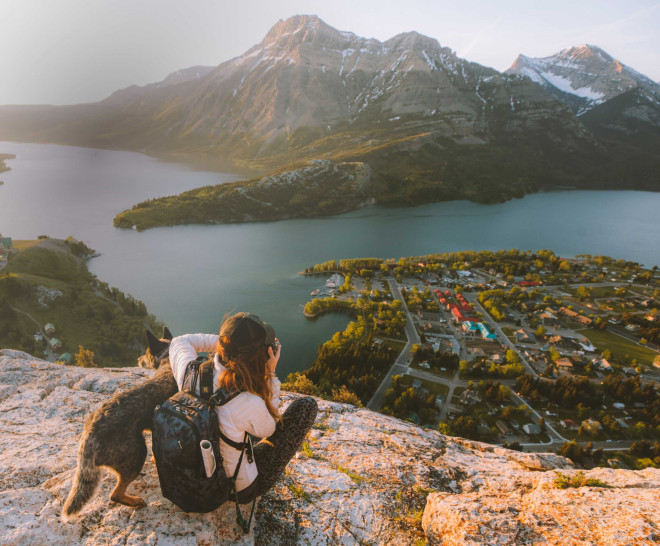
pixel 246 412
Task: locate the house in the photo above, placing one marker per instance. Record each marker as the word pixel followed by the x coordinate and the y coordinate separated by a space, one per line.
pixel 622 423
pixel 548 319
pixel 616 463
pixel 5 243
pixel 569 424
pixel 587 345
pixel 502 427
pixel 439 401
pixel 531 429
pixel 49 329
pixel 485 332
pixel 65 358
pixel 565 365
pixel 602 364
pixel 55 344
pixel 590 425
pixel 568 312
pixel 470 327
pixel 632 327
pixel 521 336
pixel 586 321
pixel 470 398
pixel 497 358
pixel 417 384
pixel 618 405
pixel 629 371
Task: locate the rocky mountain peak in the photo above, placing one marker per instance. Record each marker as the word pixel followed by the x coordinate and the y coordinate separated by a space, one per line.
pixel 583 76
pixel 301 28
pixel 412 41
pixel 585 51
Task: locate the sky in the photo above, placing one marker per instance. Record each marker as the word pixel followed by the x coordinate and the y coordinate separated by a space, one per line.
pixel 73 51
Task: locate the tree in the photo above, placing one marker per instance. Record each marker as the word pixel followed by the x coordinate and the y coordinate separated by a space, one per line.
pixel 512 356
pixel 584 293
pixel 607 354
pixel 540 331
pixel 84 358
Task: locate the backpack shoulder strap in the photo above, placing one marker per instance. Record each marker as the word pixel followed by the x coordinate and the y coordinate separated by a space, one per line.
pixel 206 380
pixel 191 375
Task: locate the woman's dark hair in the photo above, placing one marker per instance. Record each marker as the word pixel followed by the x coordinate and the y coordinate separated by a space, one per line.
pixel 246 372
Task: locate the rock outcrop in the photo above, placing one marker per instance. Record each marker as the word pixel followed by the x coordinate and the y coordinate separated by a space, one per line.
pixel 361 478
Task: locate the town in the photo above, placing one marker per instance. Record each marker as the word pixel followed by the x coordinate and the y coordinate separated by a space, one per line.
pixel 524 349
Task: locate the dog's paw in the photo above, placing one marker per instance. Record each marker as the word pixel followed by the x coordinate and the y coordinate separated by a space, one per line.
pixel 129 500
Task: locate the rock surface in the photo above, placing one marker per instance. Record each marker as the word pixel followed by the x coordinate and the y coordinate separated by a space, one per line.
pixel 361 478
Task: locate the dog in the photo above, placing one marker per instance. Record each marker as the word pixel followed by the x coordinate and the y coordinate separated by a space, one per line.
pixel 112 436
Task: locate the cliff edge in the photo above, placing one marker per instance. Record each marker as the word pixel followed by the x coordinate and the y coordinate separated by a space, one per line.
pixel 361 478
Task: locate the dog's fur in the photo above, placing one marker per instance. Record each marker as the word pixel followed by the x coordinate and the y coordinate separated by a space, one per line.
pixel 112 436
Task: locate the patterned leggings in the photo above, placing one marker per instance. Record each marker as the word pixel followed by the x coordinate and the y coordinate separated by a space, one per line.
pixel 272 454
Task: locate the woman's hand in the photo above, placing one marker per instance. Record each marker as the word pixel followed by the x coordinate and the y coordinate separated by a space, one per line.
pixel 271 364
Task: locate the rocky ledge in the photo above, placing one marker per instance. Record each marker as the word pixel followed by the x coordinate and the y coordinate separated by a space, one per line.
pixel 362 478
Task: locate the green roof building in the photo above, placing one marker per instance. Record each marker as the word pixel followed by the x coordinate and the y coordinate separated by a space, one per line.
pixel 66 358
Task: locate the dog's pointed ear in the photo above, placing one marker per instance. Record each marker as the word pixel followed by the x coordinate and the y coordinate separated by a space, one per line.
pixel 155 345
pixel 166 333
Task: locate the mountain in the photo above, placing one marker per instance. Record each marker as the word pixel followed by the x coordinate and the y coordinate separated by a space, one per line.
pixel 583 76
pixel 429 125
pixel 631 119
pixel 136 92
pixel 361 478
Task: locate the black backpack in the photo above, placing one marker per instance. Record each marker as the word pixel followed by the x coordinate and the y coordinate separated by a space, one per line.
pixel 180 424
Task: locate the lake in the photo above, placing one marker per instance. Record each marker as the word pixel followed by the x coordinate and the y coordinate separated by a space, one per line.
pixel 191 276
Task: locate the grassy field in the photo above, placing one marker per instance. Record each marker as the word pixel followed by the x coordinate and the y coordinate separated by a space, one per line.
pixel 394 345
pixel 22 244
pixel 622 349
pixel 448 372
pixel 596 291
pixel 433 387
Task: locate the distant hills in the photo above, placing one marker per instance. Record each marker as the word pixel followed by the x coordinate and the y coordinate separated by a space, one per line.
pixel 429 125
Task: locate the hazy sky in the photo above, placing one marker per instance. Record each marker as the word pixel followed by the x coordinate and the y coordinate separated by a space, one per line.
pixel 71 51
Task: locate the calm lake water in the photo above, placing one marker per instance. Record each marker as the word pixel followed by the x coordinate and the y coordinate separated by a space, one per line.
pixel 190 276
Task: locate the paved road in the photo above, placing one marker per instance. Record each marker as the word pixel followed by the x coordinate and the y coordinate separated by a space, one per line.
pixel 606 446
pixel 50 355
pixel 405 357
pixel 555 437
pixel 473 299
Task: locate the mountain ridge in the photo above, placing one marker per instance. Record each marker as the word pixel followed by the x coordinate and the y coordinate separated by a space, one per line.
pixel 430 125
pixel 583 76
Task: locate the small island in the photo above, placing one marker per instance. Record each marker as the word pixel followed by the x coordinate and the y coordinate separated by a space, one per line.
pixel 526 349
pixel 3 165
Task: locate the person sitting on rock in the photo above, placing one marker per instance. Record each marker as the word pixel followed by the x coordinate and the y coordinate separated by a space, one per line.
pixel 246 353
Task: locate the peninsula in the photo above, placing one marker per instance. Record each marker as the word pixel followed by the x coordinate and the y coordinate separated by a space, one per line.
pixel 52 306
pixel 3 165
pixel 526 349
